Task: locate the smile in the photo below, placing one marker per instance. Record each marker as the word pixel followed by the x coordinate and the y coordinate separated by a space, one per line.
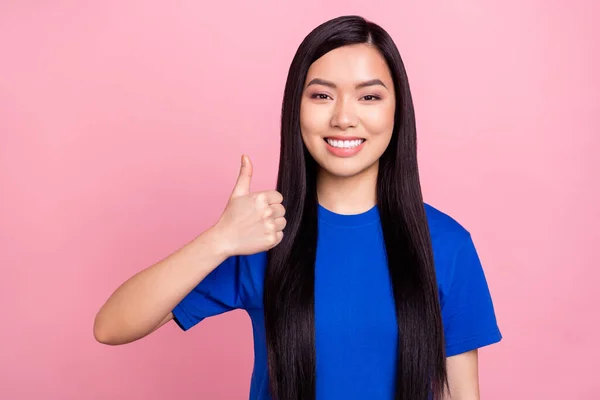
pixel 344 146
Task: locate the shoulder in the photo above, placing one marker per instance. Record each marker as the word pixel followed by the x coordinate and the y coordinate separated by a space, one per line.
pixel 442 226
pixel 448 238
pixel 467 309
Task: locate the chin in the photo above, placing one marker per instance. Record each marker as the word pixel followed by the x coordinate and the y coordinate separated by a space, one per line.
pixel 345 168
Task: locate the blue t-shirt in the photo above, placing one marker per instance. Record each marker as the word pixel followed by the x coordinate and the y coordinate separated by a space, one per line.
pixel 355 320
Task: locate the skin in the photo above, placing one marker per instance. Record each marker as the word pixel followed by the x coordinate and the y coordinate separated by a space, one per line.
pixel 347 185
pixel 349 92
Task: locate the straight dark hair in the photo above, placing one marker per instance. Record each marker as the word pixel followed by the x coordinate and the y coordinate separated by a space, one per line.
pixel 289 282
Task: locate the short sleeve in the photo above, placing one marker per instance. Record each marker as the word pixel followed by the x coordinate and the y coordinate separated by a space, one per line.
pixel 216 294
pixel 468 312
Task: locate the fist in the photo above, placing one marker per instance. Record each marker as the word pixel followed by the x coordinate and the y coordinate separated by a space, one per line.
pixel 251 222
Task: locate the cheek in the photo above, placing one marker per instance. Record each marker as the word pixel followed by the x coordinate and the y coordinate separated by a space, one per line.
pixel 379 121
pixel 313 121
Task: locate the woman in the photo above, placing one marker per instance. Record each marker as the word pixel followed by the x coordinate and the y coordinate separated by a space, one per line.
pixel 370 294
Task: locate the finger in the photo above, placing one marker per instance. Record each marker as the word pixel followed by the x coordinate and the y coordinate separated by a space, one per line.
pixel 277 210
pixel 279 238
pixel 273 197
pixel 280 224
pixel 242 185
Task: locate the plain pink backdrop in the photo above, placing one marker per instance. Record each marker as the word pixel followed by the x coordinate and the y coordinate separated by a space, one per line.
pixel 122 124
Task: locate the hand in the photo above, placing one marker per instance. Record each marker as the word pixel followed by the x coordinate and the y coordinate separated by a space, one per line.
pixel 251 222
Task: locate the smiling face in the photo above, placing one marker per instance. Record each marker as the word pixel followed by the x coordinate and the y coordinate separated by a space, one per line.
pixel 347 110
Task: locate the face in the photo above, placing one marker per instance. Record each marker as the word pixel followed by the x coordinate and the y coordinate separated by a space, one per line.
pixel 347 110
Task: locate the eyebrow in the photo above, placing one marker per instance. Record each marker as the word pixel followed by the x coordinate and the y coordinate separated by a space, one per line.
pixel 372 82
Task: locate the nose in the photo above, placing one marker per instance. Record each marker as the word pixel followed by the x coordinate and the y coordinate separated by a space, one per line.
pixel 344 115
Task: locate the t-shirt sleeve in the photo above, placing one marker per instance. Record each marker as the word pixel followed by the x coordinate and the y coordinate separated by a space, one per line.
pixel 217 293
pixel 467 310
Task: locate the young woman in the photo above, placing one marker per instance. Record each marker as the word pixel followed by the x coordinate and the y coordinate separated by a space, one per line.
pixel 370 293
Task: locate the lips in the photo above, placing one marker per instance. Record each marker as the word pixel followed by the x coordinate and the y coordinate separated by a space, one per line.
pixel 344 146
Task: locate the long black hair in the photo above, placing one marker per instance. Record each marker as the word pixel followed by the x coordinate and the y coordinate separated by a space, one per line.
pixel 289 282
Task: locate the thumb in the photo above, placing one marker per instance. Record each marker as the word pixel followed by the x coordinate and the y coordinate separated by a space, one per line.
pixel 242 186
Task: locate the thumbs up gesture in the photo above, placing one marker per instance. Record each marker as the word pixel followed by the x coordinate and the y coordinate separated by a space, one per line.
pixel 251 222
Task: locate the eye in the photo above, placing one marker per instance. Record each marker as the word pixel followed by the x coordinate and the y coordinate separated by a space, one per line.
pixel 319 96
pixel 371 97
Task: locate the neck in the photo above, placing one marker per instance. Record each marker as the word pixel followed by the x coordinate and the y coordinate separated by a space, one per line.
pixel 348 195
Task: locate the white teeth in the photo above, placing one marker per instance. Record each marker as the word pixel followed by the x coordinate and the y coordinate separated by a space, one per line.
pixel 345 144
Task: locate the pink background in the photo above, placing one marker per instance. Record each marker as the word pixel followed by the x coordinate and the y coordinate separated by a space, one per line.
pixel 122 123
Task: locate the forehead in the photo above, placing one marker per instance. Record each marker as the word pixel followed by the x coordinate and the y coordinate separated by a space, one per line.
pixel 351 64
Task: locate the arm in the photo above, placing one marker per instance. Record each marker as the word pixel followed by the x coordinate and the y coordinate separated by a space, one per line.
pixel 469 320
pixel 144 302
pixel 463 376
pixel 251 223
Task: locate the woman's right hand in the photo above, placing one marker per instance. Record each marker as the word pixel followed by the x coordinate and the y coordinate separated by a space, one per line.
pixel 251 222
